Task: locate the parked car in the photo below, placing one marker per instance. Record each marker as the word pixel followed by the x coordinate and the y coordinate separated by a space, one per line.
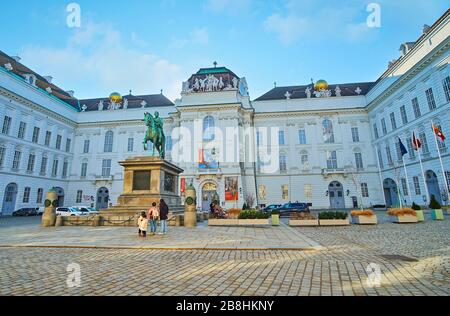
pixel 40 210
pixel 25 212
pixel 272 207
pixel 289 208
pixel 68 211
pixel 86 210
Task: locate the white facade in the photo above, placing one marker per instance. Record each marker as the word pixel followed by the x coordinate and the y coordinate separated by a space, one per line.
pixel 309 166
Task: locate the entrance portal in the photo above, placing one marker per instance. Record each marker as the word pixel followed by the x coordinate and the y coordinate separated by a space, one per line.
pixel 433 186
pixel 209 195
pixel 336 193
pixel 390 193
pixel 102 199
pixel 9 200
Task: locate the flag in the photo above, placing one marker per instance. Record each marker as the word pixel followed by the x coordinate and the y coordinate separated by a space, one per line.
pixel 437 130
pixel 402 147
pixel 417 144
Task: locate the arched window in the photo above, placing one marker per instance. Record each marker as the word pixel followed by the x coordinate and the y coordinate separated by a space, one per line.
pixel 208 128
pixel 328 134
pixel 109 138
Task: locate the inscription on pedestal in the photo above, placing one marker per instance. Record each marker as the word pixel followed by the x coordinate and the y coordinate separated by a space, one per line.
pixel 141 181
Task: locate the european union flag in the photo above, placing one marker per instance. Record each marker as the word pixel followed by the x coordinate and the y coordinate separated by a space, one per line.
pixel 402 147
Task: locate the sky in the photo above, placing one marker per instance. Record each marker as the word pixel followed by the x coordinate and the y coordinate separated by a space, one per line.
pixel 151 45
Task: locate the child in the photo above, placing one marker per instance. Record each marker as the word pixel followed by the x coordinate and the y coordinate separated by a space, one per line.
pixel 143 223
pixel 153 214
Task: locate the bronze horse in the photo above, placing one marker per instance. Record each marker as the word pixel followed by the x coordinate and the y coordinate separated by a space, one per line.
pixel 155 134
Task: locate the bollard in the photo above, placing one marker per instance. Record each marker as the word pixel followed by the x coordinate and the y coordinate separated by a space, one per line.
pixel 49 216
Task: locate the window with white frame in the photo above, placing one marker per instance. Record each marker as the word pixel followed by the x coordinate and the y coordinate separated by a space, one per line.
pixel 2 155
pixel 404 115
pixel 355 134
pixel 411 151
pixel 383 126
pixel 359 161
pixel 79 196
pixel 404 187
pixel 375 131
pixel 328 133
pixel 208 128
pixel 446 85
pixel 302 137
pixel 86 146
pixel 380 159
pixel 389 156
pixel 417 185
pixel 430 99
pixel 130 146
pixel 399 151
pixel 22 129
pixel 106 167
pixel 16 160
pixel 109 139
pixel 40 195
pixel 283 163
pixel 65 169
pixel 55 167
pixel 423 139
pixel 43 170
pixel 68 144
pixel 258 139
pixel 26 195
pixel 447 177
pixel 36 132
pixel 83 173
pixel 332 159
pixel 364 190
pixel 6 125
pixel 48 137
pixel 281 140
pixel 58 141
pixel 304 158
pixel 416 108
pixel 393 121
pixel 30 165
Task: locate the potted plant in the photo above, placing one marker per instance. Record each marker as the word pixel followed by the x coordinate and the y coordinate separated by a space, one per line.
pixel 253 218
pixel 275 218
pixel 302 220
pixel 229 218
pixel 436 209
pixel 364 217
pixel 419 212
pixel 403 215
pixel 334 219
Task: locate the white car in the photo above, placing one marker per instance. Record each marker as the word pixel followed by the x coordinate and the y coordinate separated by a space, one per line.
pixel 86 210
pixel 40 210
pixel 68 211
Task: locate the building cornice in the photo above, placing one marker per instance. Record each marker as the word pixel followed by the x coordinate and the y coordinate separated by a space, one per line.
pixel 328 112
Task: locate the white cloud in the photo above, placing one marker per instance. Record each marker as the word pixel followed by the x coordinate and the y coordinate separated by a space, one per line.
pixel 198 36
pixel 289 28
pixel 97 60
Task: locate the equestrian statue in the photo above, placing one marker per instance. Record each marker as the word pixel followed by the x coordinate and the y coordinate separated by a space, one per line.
pixel 155 134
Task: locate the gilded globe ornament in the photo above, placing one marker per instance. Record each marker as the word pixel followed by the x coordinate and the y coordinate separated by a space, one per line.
pixel 321 85
pixel 115 97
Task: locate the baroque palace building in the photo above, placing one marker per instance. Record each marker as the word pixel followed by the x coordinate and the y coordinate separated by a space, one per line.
pixel 334 146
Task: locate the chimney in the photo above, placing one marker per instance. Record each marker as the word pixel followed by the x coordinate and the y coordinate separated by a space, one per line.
pixel 71 93
pixel 48 79
pixel 426 28
pixel 16 58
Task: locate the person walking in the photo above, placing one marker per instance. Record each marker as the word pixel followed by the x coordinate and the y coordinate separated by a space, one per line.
pixel 163 216
pixel 153 214
pixel 143 224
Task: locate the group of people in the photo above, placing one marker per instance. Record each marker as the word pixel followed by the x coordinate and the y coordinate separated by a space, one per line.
pixel 217 211
pixel 151 217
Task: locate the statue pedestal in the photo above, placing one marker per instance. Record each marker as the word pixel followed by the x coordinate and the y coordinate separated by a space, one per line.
pixel 147 180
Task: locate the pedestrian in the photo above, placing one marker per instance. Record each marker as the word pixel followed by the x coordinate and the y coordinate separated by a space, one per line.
pixel 143 224
pixel 163 216
pixel 153 214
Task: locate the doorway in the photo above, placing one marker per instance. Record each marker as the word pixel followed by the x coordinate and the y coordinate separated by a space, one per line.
pixel 102 199
pixel 209 194
pixel 390 193
pixel 9 199
pixel 433 186
pixel 336 193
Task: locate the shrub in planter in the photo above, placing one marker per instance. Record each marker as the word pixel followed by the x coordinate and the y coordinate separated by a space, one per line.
pixel 416 207
pixel 233 213
pixel 403 215
pixel 253 214
pixel 436 209
pixel 364 217
pixel 333 219
pixel 419 212
pixel 333 215
pixel 303 219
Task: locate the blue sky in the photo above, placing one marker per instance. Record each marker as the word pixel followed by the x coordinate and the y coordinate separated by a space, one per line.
pixel 148 45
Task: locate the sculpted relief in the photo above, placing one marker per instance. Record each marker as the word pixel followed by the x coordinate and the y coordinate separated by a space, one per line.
pixel 210 83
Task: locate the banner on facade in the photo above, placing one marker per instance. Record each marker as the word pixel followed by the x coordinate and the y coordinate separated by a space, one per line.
pixel 231 189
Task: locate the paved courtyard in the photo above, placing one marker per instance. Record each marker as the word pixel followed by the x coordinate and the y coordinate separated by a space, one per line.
pixel 413 259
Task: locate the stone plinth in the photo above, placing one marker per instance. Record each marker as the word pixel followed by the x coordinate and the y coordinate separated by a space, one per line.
pixel 147 180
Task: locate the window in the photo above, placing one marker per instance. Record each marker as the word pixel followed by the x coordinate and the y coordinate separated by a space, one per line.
pixel 404 115
pixel 84 169
pixel 446 84
pixel 302 137
pixel 30 166
pixel 40 194
pixel 55 168
pixel 304 159
pixel 106 167
pixel 208 128
pixel 355 134
pixel 86 145
pixel 130 146
pixel 364 190
pixel 411 151
pixel 281 138
pixel 383 126
pixel 68 143
pixel 328 134
pixel 405 187
pixel 375 131
pixel 380 159
pixel 307 189
pixel 447 177
pixel 416 108
pixel 58 141
pixel 332 160
pixel 169 143
pixel 258 139
pixel 423 139
pixel 283 163
pixel 389 156
pixel 417 185
pixel 109 138
pixel 359 161
pixel 79 196
pixel 6 125
pixel 16 160
pixel 44 165
pixel 2 155
pixel 285 192
pixel 35 138
pixel 65 167
pixel 430 99
pixel 48 138
pixel 22 128
pixel 26 195
pixel 393 121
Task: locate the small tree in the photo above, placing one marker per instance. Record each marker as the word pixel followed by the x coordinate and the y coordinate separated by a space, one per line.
pixel 434 204
pixel 250 200
pixel 244 207
pixel 416 207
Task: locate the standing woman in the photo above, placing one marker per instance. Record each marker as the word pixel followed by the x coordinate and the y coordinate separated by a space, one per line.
pixel 153 215
pixel 163 216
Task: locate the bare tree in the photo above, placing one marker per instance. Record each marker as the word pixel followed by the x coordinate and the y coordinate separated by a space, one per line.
pixel 250 200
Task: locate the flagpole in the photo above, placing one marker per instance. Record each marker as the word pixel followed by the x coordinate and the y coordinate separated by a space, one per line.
pixel 423 173
pixel 381 176
pixel 440 158
pixel 407 181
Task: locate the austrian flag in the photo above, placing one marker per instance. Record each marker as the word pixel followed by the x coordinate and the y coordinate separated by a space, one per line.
pixel 437 130
pixel 417 144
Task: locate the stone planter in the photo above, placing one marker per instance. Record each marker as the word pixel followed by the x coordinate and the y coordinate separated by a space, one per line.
pixel 437 215
pixel 420 216
pixel 223 222
pixel 365 220
pixel 253 222
pixel 275 220
pixel 404 219
pixel 303 223
pixel 334 222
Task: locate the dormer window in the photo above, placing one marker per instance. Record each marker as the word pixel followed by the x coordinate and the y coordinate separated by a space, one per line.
pixel 31 79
